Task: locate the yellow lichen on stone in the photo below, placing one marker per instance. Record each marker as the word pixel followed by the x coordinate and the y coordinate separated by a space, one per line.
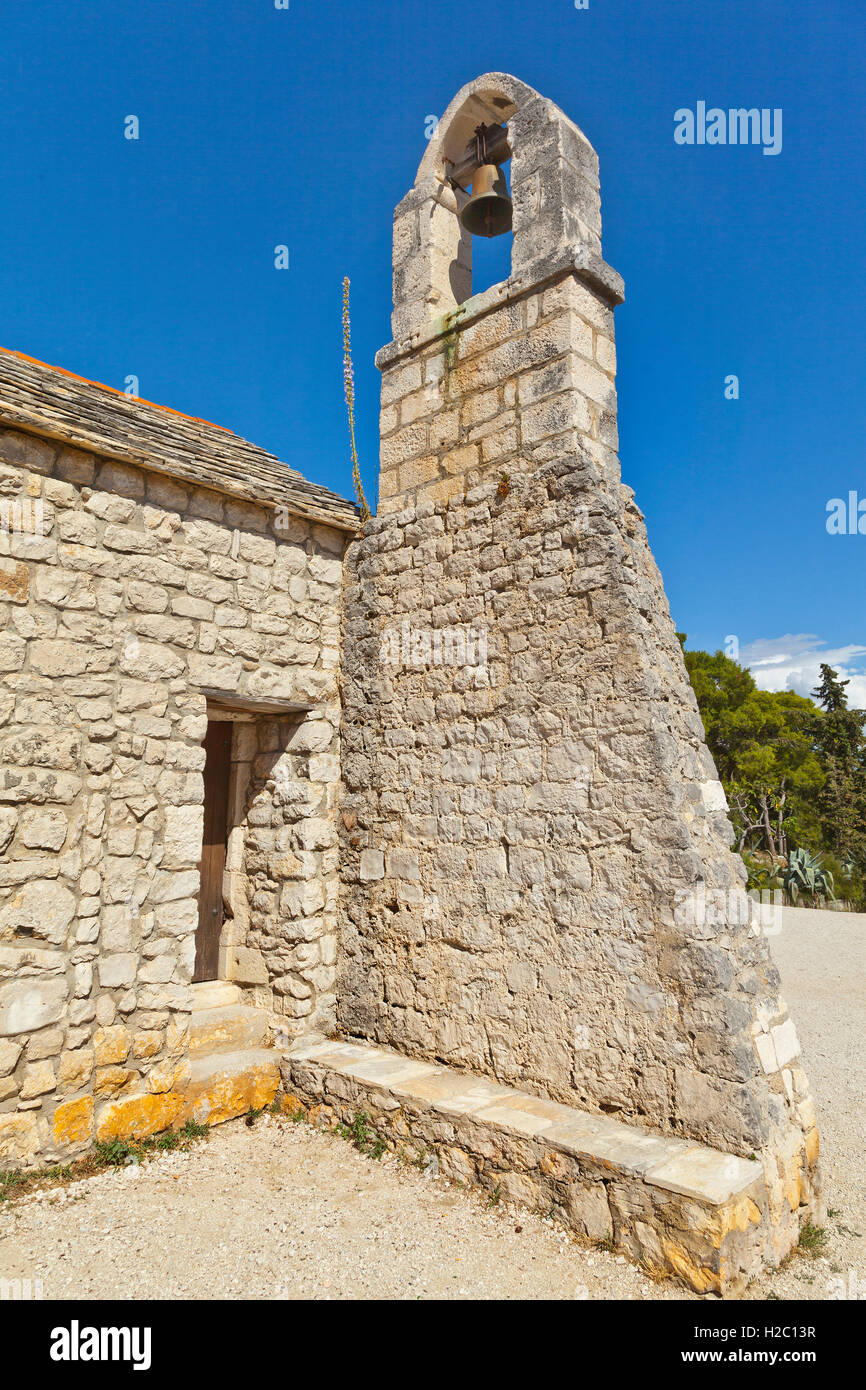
pixel 168 1075
pixel 111 1045
pixel 322 1115
pixel 147 1044
pixel 813 1147
pixel 682 1263
pixel 73 1122
pixel 555 1165
pixel 138 1116
pixel 109 1080
pixel 290 1105
pixel 229 1094
pixel 737 1215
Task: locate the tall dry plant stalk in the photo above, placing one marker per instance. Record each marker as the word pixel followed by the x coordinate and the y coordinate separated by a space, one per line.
pixel 349 386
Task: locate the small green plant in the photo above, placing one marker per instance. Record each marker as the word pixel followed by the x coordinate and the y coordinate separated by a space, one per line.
pixel 193 1130
pixel 9 1182
pixel 496 1196
pixel 113 1153
pixel 812 1240
pixel 607 1243
pixel 362 1136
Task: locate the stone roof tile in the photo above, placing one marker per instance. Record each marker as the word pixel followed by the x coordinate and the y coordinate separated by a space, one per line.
pixel 57 404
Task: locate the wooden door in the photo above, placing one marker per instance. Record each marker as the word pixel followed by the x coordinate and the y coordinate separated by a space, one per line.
pixel 218 747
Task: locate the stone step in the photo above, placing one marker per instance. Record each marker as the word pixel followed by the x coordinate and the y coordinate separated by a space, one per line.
pixel 676 1206
pixel 230 1029
pixel 227 1084
pixel 215 994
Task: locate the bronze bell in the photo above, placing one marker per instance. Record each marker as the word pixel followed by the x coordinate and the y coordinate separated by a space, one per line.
pixel 488 212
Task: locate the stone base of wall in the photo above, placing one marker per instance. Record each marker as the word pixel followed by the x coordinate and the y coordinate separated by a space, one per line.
pixel 681 1209
pixel 229 1071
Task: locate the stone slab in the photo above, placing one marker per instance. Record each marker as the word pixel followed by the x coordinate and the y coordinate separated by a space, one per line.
pixel 214 994
pixel 705 1174
pixel 674 1164
pixel 612 1144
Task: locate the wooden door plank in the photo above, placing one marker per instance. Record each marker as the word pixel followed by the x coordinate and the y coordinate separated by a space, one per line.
pixel 217 767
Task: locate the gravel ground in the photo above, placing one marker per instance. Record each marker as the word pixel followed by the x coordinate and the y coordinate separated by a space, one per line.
pixel 280 1210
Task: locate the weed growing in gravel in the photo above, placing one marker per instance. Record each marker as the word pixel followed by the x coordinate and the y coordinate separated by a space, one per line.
pixel 10 1182
pixel 113 1153
pixel 118 1153
pixel 362 1136
pixel 812 1240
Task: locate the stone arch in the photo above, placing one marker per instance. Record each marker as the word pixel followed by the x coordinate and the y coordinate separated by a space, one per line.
pixel 554 187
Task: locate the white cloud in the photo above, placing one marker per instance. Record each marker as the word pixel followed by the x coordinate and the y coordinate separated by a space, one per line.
pixel 793 662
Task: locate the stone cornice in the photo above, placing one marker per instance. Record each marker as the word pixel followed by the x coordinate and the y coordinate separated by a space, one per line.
pixel 578 260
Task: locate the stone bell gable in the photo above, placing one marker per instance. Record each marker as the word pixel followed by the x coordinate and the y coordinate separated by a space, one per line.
pixel 537 875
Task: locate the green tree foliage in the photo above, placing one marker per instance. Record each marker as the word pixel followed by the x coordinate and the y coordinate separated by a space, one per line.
pixel 764 747
pixel 840 739
pixel 794 772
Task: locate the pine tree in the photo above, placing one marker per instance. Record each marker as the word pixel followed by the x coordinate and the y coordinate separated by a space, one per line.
pixel 840 740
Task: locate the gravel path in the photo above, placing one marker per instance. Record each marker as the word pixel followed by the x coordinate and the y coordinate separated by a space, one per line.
pixel 280 1210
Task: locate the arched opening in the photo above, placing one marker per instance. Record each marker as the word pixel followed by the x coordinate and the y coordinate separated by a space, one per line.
pixel 491 256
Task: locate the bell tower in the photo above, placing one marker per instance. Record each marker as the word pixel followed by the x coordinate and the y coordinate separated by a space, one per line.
pixel 538 883
pixel 450 408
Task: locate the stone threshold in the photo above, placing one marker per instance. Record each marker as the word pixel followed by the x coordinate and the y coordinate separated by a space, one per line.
pixel 678 1207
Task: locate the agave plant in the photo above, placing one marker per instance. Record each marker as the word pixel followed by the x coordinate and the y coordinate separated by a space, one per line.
pixel 762 877
pixel 806 875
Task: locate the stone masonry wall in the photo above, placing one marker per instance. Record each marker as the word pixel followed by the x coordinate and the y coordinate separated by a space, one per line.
pixel 286 941
pixel 136 593
pixel 537 874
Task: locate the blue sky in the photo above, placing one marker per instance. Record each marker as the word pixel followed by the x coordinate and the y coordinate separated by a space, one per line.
pixel 304 127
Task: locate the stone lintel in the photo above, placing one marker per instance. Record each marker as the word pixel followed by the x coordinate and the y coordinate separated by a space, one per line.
pixel 230 702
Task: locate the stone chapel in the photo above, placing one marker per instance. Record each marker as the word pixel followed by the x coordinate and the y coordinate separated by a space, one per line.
pixel 412 817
